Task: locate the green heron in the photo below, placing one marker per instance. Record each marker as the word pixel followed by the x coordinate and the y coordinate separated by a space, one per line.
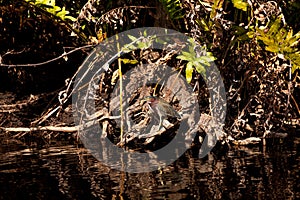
pixel 162 108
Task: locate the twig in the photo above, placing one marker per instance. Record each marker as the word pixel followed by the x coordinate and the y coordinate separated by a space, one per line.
pixel 48 61
pixel 247 141
pixel 44 128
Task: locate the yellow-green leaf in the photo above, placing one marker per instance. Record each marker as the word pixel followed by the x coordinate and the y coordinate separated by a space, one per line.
pixel 290 34
pixel 200 69
pixel 203 24
pixel 189 72
pixel 132 38
pixel 73 19
pixel 272 48
pixel 128 61
pixel 295 67
pixel 250 34
pixel 240 4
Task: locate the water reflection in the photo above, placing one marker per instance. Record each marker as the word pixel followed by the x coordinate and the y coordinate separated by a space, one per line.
pixel 68 171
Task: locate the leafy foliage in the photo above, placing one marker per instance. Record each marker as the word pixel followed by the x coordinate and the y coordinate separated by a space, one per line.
pixel 173 7
pixel 196 61
pixel 259 98
pixel 280 39
pixel 51 7
pixel 129 61
pixel 240 4
pixel 140 44
pixel 218 4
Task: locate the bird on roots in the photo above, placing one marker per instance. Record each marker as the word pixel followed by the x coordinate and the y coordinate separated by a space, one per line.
pixel 162 108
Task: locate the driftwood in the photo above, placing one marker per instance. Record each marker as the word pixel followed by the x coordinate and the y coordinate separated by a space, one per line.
pixel 247 141
pixel 67 129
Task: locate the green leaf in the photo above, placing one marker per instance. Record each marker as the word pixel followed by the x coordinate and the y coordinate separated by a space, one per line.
pixel 240 4
pixel 143 45
pixel 128 61
pixel 145 33
pixel 295 39
pixel 73 19
pixel 51 7
pixel 295 67
pixel 202 24
pixel 282 33
pixel 187 56
pixel 290 34
pixel 206 59
pixel 132 38
pixel 62 13
pixel 189 72
pixel 160 41
pixel 52 2
pixel 173 8
pixel 218 4
pixel 275 27
pixel 182 57
pixel 200 68
pixel 273 48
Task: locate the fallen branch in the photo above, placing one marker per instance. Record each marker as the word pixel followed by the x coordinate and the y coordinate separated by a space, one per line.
pixel 45 62
pixel 67 129
pixel 247 141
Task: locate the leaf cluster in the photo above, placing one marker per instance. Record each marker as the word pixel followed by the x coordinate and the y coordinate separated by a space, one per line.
pixel 195 61
pixel 51 7
pixel 279 39
pixel 173 8
pixel 240 4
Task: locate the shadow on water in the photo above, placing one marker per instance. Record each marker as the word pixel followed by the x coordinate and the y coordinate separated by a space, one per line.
pixel 68 171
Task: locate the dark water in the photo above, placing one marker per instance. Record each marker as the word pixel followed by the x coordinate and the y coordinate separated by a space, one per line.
pixel 64 170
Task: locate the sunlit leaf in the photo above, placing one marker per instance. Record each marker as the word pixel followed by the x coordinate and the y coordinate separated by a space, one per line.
pixel 211 56
pixel 200 68
pixel 143 45
pixel 128 61
pixel 62 13
pixel 290 34
pixel 295 67
pixel 189 72
pixel 160 41
pixel 240 4
pixel 182 57
pixel 250 34
pixel 203 24
pixel 218 4
pixel 73 19
pixel 186 56
pixel 275 27
pixel 145 33
pixel 132 38
pixel 273 49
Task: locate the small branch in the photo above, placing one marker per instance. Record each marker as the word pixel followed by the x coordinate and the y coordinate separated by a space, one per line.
pixel 48 61
pixel 44 128
pixel 67 129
